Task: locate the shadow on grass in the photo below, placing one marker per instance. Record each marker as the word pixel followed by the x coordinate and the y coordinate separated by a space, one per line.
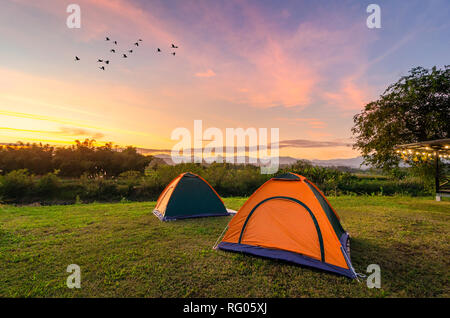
pixel 406 269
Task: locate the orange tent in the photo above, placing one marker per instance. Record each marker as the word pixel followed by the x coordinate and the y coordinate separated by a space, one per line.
pixel 289 218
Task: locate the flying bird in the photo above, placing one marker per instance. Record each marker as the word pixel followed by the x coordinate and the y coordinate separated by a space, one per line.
pixel 112 50
pixel 173 53
pixel 115 42
pixel 107 62
pixel 158 50
pixel 102 68
pixel 125 56
pixel 137 43
pixel 107 39
pixel 99 60
pixel 130 51
pixel 140 40
pixel 174 47
pixel 77 58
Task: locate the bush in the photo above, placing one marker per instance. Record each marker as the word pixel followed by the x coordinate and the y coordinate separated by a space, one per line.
pixel 407 186
pixel 227 179
pixel 16 185
pixel 149 188
pixel 99 188
pixel 48 185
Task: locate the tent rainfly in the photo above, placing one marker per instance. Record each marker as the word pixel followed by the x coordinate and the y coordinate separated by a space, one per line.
pixel 288 218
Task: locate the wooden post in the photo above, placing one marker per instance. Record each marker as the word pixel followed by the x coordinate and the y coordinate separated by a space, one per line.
pixel 436 178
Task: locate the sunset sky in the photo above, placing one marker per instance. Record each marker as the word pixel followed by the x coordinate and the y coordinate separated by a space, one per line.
pixel 306 67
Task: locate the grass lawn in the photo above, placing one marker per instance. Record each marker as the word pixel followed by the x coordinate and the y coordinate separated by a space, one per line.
pixel 125 251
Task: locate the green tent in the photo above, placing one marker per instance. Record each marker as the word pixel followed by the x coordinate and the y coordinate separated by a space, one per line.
pixel 188 196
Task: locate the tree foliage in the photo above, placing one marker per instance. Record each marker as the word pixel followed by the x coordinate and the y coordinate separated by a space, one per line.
pixel 74 161
pixel 415 108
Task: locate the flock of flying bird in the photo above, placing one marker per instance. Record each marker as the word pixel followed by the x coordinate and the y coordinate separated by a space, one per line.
pixel 125 55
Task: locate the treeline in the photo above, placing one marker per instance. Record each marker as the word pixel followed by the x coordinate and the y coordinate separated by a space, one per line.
pixel 73 161
pixel 20 186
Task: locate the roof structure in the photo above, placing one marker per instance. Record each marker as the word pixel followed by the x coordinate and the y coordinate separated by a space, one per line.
pixel 438 149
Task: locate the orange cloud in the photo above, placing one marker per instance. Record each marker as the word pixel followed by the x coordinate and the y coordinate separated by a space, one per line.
pixel 312 122
pixel 101 17
pixel 102 103
pixel 63 131
pixel 261 64
pixel 277 67
pixel 208 73
pixel 349 96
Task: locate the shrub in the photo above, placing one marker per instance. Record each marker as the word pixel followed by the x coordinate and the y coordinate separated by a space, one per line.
pixel 226 179
pixel 48 185
pixel 148 189
pixel 127 181
pixel 99 188
pixel 16 185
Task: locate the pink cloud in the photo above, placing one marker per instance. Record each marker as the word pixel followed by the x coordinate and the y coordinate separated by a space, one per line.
pixel 318 134
pixel 349 96
pixel 208 73
pixel 262 66
pixel 311 122
pixel 101 17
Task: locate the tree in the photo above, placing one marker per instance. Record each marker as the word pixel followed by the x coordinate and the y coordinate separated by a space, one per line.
pixel 415 108
pixel 34 157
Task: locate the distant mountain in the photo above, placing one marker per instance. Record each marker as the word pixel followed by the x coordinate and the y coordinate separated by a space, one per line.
pixel 165 158
pixel 351 162
pixel 285 161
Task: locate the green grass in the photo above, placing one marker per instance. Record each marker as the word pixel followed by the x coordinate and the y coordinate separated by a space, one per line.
pixel 125 251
